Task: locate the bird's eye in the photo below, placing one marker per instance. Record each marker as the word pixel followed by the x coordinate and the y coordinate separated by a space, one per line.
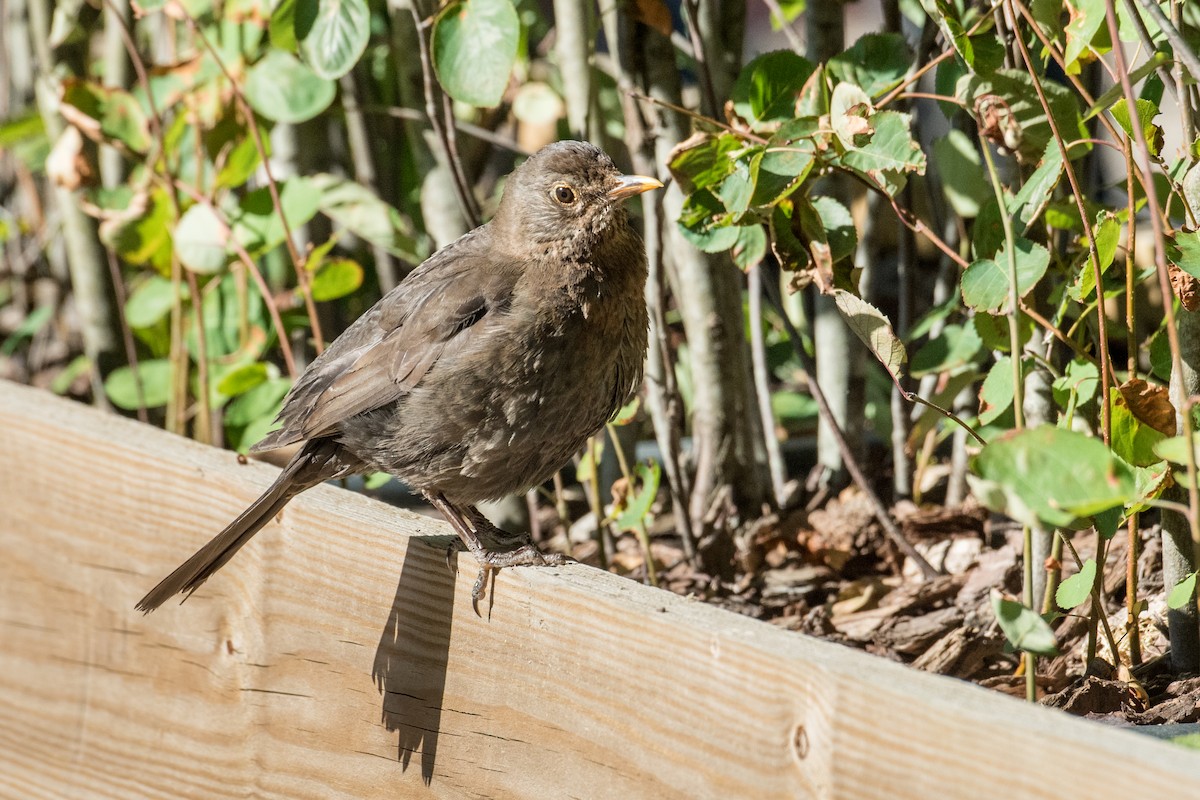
pixel 564 194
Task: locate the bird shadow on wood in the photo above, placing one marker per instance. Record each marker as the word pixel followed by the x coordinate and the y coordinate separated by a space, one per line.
pixel 410 662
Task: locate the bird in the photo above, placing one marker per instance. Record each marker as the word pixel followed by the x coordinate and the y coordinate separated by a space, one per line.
pixel 481 373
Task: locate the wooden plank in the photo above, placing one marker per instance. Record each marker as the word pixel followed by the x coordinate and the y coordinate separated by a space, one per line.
pixel 336 656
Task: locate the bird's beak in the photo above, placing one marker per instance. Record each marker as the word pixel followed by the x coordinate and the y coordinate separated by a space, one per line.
pixel 629 185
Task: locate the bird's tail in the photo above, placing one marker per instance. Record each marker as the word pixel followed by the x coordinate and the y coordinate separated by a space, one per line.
pixel 316 462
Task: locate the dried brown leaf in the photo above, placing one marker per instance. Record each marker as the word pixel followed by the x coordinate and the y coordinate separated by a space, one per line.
pixel 1151 404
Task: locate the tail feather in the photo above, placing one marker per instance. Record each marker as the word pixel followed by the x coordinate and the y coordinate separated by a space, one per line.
pixel 316 463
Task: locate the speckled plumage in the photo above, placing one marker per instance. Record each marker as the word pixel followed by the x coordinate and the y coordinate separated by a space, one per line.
pixel 487 368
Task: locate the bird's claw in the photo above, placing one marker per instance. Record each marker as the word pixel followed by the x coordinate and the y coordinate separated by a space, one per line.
pixel 492 561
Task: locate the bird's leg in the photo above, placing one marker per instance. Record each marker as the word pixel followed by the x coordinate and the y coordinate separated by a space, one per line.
pixel 469 524
pixel 506 539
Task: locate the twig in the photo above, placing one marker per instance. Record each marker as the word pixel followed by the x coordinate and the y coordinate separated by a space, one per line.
pixel 114 269
pixel 1106 369
pixel 302 276
pixel 358 138
pixel 1187 655
pixel 244 256
pixel 477 131
pixel 692 19
pixel 435 111
pixel 762 389
pixel 856 474
pixel 1183 51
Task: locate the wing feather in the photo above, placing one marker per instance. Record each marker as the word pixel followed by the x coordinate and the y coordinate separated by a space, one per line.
pixel 390 349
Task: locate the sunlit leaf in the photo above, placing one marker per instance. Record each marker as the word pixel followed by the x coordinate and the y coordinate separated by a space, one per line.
pixel 1183 592
pixel 200 240
pixel 1023 627
pixel 1076 589
pixel 155 377
pixel 875 330
pixel 1053 475
pixel 333 34
pixel 474 49
pixel 985 284
pixel 282 89
pixel 876 62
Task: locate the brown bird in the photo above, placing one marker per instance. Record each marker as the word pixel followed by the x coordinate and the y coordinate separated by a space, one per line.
pixel 483 372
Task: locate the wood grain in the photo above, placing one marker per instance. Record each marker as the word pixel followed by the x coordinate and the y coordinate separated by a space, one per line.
pixel 336 656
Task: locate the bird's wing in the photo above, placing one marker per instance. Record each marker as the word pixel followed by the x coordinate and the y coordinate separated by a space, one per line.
pixel 391 347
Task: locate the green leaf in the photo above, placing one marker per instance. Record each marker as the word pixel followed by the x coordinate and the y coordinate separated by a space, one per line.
pixel 360 211
pixel 1023 627
pixel 793 409
pixel 200 240
pixel 243 379
pixel 150 302
pixel 789 250
pixel 703 160
pixel 257 224
pixel 637 508
pixel 155 375
pixel 1132 440
pixel 1028 122
pixel 106 114
pixel 985 284
pixel 628 412
pixel 1082 378
pixel 737 189
pixel 587 468
pixel 262 401
pixel 1182 593
pixel 141 233
pixel 877 62
pixel 32 323
pixel 1115 93
pixel 376 480
pixel 838 223
pixel 1087 17
pixel 474 49
pixel 767 88
pixel 996 395
pixel 961 173
pixel 890 153
pixel 701 222
pixel 1107 232
pixel 875 330
pixel 1053 475
pixel 1146 111
pixel 282 25
pixel 750 247
pixel 994 332
pixel 283 90
pixel 1183 250
pixel 781 167
pixel 1174 449
pixel 1076 589
pixel 954 347
pixel 333 34
pixel 1035 194
pixel 336 278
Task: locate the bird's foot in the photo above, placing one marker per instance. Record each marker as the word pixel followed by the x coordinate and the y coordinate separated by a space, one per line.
pixel 491 560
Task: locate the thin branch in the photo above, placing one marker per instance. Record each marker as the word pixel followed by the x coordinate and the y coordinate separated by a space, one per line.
pixel 435 112
pixel 476 131
pixel 302 276
pixel 856 474
pixel 1183 51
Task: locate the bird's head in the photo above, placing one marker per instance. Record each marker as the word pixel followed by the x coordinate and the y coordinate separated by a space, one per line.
pixel 568 193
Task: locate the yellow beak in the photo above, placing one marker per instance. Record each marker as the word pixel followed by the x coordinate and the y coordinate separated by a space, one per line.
pixel 629 185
